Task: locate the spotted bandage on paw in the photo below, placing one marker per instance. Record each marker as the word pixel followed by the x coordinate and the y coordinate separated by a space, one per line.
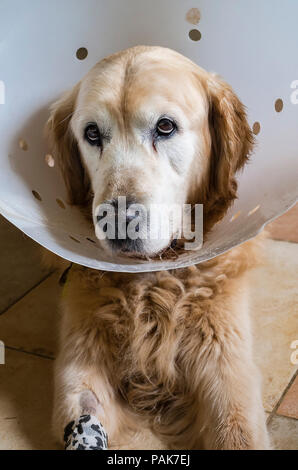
pixel 85 433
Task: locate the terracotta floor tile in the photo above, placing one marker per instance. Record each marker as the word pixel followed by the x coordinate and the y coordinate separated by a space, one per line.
pixel 286 226
pixel 289 404
pixel 20 265
pixel 284 433
pixel 274 307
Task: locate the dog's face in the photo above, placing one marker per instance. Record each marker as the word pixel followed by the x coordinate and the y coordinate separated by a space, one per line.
pixel 149 125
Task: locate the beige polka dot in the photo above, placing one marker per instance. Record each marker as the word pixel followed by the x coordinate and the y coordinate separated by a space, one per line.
pixel 279 105
pixel 23 145
pixel 195 35
pixel 256 128
pixel 37 195
pixel 193 16
pixel 82 53
pixel 60 203
pixel 49 159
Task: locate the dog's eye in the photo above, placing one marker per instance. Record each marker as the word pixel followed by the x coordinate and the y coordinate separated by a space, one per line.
pixel 92 135
pixel 165 127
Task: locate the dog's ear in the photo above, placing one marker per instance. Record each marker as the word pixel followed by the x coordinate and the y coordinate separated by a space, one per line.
pixel 65 147
pixel 231 144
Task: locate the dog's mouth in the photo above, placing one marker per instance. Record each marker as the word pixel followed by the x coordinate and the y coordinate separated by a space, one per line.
pixel 128 233
pixel 170 252
pixel 141 243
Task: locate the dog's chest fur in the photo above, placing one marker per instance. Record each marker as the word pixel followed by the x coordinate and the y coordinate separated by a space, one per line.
pixel 152 333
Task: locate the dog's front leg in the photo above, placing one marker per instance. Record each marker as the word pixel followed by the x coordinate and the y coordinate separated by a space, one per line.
pixel 237 419
pixel 78 407
pixel 232 409
pixel 86 432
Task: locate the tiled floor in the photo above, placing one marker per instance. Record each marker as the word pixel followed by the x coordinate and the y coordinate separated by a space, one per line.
pixel 28 327
pixel 20 265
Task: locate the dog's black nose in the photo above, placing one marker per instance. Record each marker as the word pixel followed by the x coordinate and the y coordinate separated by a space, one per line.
pixel 116 227
pixel 121 209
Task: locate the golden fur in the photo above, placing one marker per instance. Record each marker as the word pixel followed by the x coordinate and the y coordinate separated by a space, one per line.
pixel 168 350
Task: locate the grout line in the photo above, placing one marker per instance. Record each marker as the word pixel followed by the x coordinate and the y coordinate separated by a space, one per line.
pixel 27 292
pixel 273 412
pixel 43 356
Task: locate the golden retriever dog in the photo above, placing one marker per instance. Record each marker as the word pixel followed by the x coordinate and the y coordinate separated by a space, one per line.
pixel 170 351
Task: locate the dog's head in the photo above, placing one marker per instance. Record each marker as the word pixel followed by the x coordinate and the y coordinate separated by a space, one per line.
pixel 149 125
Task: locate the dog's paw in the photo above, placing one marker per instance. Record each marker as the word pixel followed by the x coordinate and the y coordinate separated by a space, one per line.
pixel 85 433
